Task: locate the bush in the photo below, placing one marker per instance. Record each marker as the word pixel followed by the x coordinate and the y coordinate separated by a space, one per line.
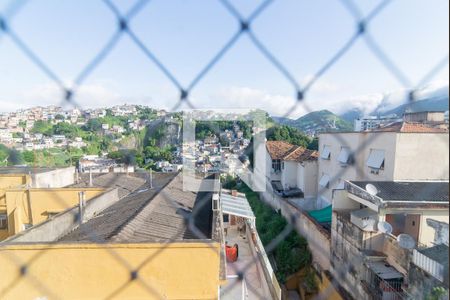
pixel 292 253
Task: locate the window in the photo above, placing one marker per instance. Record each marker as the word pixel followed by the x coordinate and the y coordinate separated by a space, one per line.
pixel 282 165
pixel 324 180
pixel 326 152
pixel 276 165
pixel 3 221
pixel 344 156
pixel 376 159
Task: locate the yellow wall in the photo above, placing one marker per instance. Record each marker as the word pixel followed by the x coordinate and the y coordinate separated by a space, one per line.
pixel 10 181
pixel 89 271
pixel 31 206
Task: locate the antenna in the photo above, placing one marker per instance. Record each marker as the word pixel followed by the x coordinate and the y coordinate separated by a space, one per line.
pixel 384 227
pixel 406 241
pixel 371 189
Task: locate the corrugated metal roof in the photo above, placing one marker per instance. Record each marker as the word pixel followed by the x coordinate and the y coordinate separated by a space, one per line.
pixel 164 213
pixel 237 206
pixel 384 271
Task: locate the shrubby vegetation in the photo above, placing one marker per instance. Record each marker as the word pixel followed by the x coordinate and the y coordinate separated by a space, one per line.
pixel 292 253
pixel 291 135
pixel 9 157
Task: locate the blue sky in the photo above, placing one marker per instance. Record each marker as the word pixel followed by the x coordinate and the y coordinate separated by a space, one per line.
pixel 186 34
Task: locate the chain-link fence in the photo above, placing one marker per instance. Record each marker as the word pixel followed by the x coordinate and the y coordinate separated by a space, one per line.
pixel 362 33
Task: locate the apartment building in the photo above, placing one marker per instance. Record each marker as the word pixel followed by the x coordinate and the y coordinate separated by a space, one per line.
pixel 389 239
pixel 389 194
pixel 400 152
pixel 374 122
pixel 292 170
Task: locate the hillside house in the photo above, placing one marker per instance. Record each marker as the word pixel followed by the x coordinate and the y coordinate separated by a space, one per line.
pixel 291 169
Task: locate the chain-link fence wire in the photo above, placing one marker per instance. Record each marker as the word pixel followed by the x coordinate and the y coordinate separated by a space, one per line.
pixel 361 32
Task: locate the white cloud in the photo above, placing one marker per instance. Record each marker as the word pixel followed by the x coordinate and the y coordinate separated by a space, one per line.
pixel 247 97
pixel 323 95
pixel 88 95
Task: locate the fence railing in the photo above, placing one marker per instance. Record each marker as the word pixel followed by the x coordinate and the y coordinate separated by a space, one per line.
pixel 384 290
pixel 265 262
pixel 429 265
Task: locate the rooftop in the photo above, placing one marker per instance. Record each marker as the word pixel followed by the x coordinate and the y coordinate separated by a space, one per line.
pixel 278 149
pixel 24 170
pixel 163 213
pixel 438 253
pixel 125 183
pixel 288 152
pixel 411 127
pixel 408 191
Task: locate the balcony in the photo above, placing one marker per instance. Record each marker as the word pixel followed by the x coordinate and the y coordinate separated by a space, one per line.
pixel 382 281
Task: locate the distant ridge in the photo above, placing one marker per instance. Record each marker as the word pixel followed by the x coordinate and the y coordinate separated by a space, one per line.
pixel 317 121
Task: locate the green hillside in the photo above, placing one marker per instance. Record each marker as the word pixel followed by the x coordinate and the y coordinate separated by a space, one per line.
pixel 318 121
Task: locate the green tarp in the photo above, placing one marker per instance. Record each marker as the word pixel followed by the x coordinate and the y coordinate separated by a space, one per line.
pixel 322 215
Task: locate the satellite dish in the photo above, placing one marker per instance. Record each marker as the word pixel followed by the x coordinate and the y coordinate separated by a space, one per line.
pixel 385 227
pixel 406 241
pixel 371 189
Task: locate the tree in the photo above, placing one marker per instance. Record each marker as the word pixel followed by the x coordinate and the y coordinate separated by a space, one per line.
pixel 93 125
pixel 4 153
pixel 43 127
pixel 29 157
pixel 66 129
pixel 128 157
pixel 15 157
pixel 289 134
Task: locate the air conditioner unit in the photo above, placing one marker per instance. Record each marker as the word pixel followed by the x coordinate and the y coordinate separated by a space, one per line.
pixel 366 219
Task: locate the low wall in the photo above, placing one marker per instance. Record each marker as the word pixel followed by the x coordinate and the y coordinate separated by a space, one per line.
pixel 398 257
pixel 64 222
pixel 319 239
pixel 258 251
pixel 187 270
pixel 54 179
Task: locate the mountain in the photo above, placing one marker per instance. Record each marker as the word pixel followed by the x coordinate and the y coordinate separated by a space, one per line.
pixel 352 115
pixel 317 121
pixel 434 103
pixel 430 104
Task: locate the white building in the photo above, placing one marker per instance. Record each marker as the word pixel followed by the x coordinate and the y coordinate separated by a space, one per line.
pixel 404 152
pixel 374 122
pixel 291 169
pixel 384 236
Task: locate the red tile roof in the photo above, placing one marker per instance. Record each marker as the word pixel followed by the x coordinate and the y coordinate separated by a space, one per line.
pixel 278 149
pixel 288 152
pixel 410 127
pixel 301 154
